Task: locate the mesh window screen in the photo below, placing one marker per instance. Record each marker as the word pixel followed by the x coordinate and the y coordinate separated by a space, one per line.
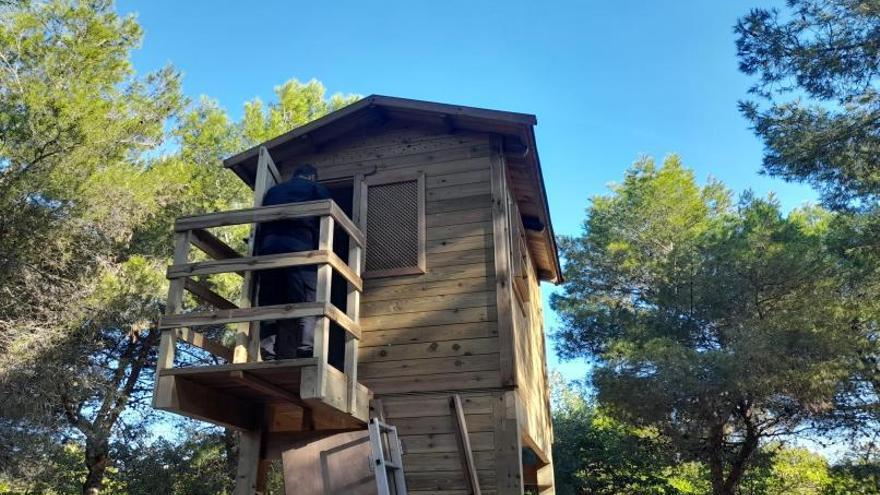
pixel 392 226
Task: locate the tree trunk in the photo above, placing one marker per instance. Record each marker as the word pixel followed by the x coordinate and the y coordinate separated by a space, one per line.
pixel 97 460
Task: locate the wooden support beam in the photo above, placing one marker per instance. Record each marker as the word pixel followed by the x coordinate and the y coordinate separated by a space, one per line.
pixel 247 475
pixel 321 352
pixel 270 165
pixel 508 445
pixel 464 444
pixel 212 245
pixel 503 280
pixel 248 263
pixel 266 262
pixel 250 478
pixel 321 349
pixel 182 396
pixel 198 339
pixel 168 339
pixel 257 214
pixel 353 308
pixel 257 383
pixel 204 293
pixel 262 313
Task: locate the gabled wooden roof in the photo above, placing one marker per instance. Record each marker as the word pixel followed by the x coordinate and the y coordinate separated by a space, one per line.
pixel 515 129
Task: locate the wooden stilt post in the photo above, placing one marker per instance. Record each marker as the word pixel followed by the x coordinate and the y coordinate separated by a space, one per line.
pixel 168 339
pixel 352 305
pixel 250 478
pixel 322 294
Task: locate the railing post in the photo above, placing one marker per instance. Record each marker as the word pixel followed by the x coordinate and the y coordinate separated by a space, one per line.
pixel 353 310
pixel 247 336
pixel 322 294
pixel 168 339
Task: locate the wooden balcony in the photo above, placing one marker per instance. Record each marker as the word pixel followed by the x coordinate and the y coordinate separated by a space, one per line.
pixel 235 394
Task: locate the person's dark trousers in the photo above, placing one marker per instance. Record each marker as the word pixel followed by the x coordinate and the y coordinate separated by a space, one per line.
pixel 291 338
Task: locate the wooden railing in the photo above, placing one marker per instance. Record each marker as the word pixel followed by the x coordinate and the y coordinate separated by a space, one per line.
pixel 191 231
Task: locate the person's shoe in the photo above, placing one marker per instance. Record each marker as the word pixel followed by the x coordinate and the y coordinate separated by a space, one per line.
pixel 304 352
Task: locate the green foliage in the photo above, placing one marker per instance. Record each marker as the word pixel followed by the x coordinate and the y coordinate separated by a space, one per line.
pixel 827 51
pixel 854 478
pixel 779 471
pixel 594 453
pixel 86 208
pixel 817 67
pixel 716 325
pixel 297 104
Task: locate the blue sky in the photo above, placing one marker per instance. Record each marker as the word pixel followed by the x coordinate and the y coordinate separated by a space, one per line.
pixel 609 81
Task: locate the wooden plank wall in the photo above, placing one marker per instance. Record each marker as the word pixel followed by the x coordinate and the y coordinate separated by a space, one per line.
pixel 436 332
pixel 433 331
pixel 531 367
pixel 432 460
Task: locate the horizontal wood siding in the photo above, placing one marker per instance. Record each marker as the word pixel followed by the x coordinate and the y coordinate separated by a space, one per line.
pixel 434 331
pixel 433 459
pixel 532 380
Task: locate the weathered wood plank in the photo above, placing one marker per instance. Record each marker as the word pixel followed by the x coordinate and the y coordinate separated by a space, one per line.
pixel 421 162
pixel 457 192
pixel 249 263
pixel 199 340
pixel 445 461
pixel 438 288
pixel 428 303
pixel 457 179
pixel 428 318
pixel 435 274
pixel 266 262
pixel 430 334
pixel 468 461
pixel 211 245
pixel 257 214
pixel 440 443
pixel 461 230
pixel 459 244
pixel 450 348
pixel 458 204
pixel 203 292
pixel 435 405
pixel 411 367
pixel 461 217
pixel 503 290
pixel 265 387
pixel 443 424
pixel 445 480
pixel 434 383
pixel 261 313
pixel 508 446
pixel 461 257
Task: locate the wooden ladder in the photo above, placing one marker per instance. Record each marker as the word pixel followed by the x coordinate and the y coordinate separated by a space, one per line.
pixel 381 464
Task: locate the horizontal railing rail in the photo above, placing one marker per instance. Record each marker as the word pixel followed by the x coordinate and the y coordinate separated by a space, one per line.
pixel 183 275
pixel 262 214
pixel 192 231
pixel 228 260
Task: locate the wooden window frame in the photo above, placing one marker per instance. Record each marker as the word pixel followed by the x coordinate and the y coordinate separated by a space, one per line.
pixel 364 213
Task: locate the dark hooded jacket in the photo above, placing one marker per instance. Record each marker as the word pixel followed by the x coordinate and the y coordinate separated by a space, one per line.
pixel 285 236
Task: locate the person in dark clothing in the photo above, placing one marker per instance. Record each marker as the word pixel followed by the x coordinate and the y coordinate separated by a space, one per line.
pixel 291 338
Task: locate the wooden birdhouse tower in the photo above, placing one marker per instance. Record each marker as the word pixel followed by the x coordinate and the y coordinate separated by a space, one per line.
pixel 430 258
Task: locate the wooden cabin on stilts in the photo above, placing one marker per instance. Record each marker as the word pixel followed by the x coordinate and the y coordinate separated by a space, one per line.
pixel 430 257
